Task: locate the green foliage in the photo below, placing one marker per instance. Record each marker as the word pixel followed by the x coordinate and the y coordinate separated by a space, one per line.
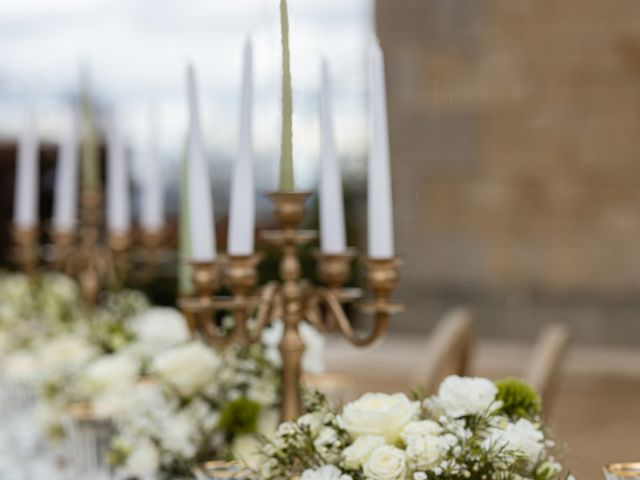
pixel 519 399
pixel 118 453
pixel 239 416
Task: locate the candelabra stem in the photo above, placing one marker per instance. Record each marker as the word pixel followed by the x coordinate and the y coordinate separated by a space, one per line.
pixel 289 210
pixel 291 346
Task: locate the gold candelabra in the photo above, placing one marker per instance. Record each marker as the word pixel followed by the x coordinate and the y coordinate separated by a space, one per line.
pixel 292 298
pixel 95 259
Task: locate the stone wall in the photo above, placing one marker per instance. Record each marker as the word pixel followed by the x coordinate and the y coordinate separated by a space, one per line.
pixel 515 137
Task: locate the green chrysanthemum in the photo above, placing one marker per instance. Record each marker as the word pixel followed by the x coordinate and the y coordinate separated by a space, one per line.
pixel 519 399
pixel 239 416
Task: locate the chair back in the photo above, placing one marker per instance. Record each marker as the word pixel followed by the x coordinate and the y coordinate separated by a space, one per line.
pixel 446 351
pixel 545 362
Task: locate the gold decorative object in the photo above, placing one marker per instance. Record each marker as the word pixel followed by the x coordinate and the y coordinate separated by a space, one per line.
pixel 292 298
pixel 94 258
pixel 83 254
pixel 622 471
pixel 26 248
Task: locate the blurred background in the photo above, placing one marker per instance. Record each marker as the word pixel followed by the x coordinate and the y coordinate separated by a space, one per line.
pixel 514 129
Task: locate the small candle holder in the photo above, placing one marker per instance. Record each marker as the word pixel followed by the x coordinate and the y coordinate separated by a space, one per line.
pixel 63 242
pixel 26 248
pixel 119 244
pixel 292 298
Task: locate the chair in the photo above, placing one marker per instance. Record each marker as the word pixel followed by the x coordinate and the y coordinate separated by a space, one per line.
pixel 446 351
pixel 544 365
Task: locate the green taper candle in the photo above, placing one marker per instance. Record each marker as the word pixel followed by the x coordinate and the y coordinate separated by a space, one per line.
pixel 185 284
pixel 286 153
pixel 89 165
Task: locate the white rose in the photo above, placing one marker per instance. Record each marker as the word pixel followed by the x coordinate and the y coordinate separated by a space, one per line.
pixel 314 343
pixel 420 428
pixel 143 461
pixel 378 414
pixel 66 353
pixel 21 367
pixel 187 367
pixel 522 436
pixel 385 463
pixel 460 396
pixel 110 373
pixel 158 328
pixel 356 454
pixel 327 472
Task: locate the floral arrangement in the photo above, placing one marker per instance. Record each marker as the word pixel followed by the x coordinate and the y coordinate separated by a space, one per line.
pixel 473 428
pixel 196 405
pixel 173 402
pixel 97 369
pixel 47 332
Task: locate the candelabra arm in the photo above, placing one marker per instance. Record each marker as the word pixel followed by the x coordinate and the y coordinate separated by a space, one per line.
pixel 337 318
pixel 268 306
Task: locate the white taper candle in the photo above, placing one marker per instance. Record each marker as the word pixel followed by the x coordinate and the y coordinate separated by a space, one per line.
pixel 118 195
pixel 152 202
pixel 65 195
pixel 380 210
pixel 25 198
pixel 201 223
pixel 242 206
pixel 332 226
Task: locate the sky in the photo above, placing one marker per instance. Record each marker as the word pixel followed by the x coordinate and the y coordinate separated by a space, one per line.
pixel 137 52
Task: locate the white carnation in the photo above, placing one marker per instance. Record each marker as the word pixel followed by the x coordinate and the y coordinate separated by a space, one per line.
pixel 66 353
pixel 460 396
pixel 378 414
pixel 62 286
pixel 179 433
pixel 157 329
pixel 143 460
pixel 110 373
pixel 356 454
pixel 327 472
pixel 522 436
pixel 385 463
pixel 188 367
